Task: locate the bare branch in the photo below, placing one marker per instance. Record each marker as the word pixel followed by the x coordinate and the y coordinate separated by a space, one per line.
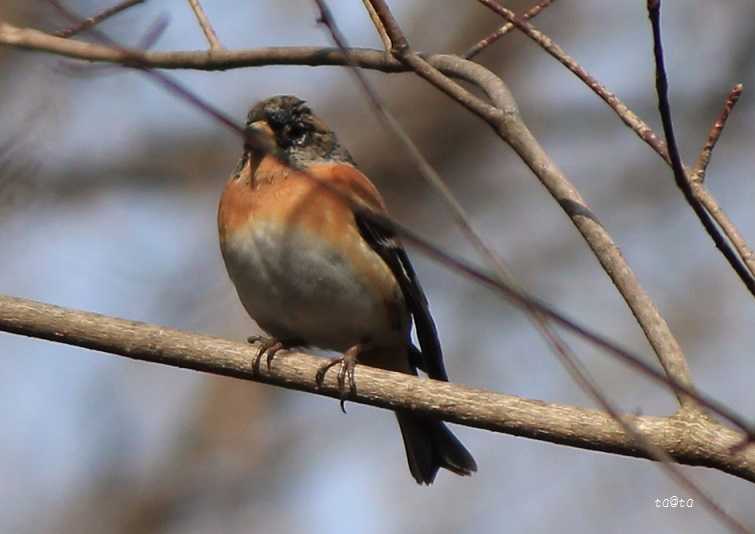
pixel 378 25
pixel 627 116
pixel 390 25
pixel 680 174
pixel 689 441
pixel 204 23
pixel 488 40
pixel 701 165
pixel 697 178
pixel 96 19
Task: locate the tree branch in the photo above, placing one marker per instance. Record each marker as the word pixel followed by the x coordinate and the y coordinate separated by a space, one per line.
pixel 99 17
pixel 691 441
pixel 627 116
pixel 491 38
pixel 681 178
pixel 204 23
pixel 697 181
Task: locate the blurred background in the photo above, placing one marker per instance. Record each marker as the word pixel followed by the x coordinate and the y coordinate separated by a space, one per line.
pixel 108 195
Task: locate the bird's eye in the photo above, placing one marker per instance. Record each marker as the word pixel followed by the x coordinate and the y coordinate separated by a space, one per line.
pixel 298 135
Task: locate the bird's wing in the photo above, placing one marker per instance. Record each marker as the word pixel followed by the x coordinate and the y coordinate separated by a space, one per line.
pixel 430 357
pixel 359 188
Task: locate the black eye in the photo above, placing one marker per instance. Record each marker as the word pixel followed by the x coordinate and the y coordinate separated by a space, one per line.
pixel 298 135
pixel 278 118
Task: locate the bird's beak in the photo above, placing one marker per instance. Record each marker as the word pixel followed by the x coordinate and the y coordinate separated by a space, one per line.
pixel 260 137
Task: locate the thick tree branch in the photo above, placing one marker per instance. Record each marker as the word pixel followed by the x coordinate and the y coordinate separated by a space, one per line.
pixel 692 441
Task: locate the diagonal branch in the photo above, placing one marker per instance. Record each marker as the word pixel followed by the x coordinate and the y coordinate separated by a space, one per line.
pixel 96 19
pixel 680 174
pixel 693 442
pixel 701 165
pixel 627 116
pixel 204 23
pixel 493 37
pixel 378 26
pixel 697 183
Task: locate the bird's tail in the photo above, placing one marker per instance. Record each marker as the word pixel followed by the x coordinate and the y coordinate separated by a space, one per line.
pixel 430 445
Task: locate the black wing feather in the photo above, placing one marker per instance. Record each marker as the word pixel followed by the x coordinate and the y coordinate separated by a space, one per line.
pixel 430 356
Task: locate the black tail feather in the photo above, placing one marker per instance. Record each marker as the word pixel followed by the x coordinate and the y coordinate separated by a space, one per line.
pixel 430 445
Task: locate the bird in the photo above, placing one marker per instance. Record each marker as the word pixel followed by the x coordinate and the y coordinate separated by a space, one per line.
pixel 313 271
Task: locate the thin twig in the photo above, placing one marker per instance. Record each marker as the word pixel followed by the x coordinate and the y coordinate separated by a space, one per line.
pixel 391 26
pixel 725 223
pixel 96 19
pixel 697 180
pixel 134 59
pixel 627 116
pixel 491 38
pixel 153 32
pixel 204 23
pixel 701 165
pixel 378 25
pixel 680 175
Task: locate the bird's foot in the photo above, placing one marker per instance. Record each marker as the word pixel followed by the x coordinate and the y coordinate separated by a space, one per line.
pixel 269 347
pixel 347 362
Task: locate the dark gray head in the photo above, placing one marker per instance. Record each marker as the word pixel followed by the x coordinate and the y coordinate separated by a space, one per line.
pixel 300 136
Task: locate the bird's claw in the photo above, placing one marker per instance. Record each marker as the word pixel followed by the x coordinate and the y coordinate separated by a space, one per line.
pixel 269 347
pixel 347 363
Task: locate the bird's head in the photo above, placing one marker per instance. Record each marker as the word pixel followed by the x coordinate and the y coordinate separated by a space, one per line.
pixel 297 135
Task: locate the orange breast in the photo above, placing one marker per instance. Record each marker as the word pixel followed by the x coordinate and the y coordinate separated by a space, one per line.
pixel 272 194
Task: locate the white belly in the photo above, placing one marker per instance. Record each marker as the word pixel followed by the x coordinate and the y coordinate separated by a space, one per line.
pixel 300 289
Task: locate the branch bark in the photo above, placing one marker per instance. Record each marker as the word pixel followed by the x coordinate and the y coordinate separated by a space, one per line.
pixel 689 440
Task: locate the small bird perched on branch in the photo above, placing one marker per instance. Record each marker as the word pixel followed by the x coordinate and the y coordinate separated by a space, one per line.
pixel 312 270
